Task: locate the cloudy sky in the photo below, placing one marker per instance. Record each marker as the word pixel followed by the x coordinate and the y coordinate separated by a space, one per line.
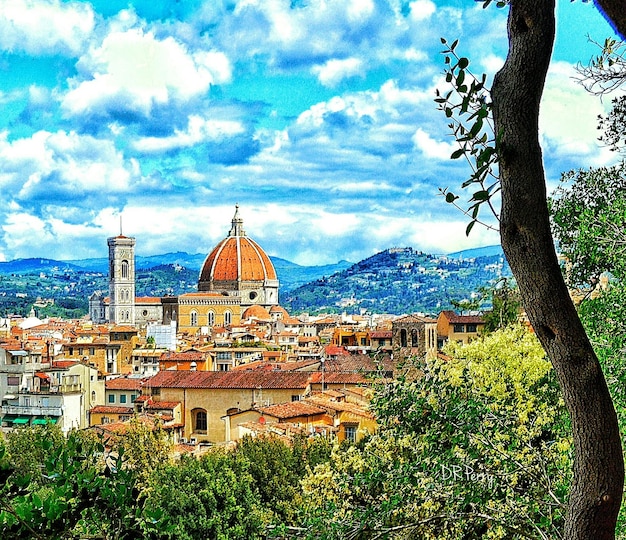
pixel 315 116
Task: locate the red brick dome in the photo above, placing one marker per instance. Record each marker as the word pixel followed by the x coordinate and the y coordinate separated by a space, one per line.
pixel 234 260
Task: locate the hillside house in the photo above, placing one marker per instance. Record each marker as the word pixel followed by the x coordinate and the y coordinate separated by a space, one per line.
pixel 459 328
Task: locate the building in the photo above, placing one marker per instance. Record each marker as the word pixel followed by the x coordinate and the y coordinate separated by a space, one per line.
pixel 207 397
pixel 121 280
pixel 459 328
pixel 239 267
pixel 235 275
pixel 413 336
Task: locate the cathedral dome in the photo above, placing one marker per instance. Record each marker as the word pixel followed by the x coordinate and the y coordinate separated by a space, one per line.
pixel 239 264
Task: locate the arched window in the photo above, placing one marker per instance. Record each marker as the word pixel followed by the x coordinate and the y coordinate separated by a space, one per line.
pixel 228 317
pixel 210 318
pixel 193 318
pixel 414 340
pixel 403 338
pixel 124 269
pixel 199 420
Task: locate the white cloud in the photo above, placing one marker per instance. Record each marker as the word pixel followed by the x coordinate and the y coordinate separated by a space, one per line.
pixel 334 71
pixel 569 119
pixel 432 148
pixel 60 163
pixel 422 9
pixel 133 70
pixel 45 28
pixel 198 130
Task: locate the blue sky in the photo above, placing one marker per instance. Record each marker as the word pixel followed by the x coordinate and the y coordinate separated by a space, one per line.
pixel 317 117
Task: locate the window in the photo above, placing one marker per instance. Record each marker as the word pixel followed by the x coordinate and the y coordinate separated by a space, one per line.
pixel 414 340
pixel 133 397
pixel 403 340
pixel 93 396
pixel 228 317
pixel 200 422
pixel 13 381
pixel 471 328
pixel 92 351
pixel 295 398
pixel 111 398
pixel 459 328
pixel 193 318
pixel 155 391
pixel 210 317
pixel 122 398
pixel 350 431
pixel 124 269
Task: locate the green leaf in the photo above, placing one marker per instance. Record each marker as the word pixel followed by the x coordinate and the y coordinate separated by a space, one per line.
pixel 451 197
pixel 460 78
pixel 457 153
pixel 482 195
pixel 463 63
pixel 469 228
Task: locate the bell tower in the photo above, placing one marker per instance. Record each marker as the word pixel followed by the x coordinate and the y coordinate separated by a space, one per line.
pixel 121 279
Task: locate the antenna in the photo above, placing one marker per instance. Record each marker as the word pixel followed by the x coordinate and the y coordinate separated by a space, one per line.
pixel 121 225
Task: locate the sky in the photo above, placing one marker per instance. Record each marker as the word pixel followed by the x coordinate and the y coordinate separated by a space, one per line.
pixel 316 117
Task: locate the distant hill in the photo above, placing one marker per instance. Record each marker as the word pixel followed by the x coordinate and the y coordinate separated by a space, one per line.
pixel 290 275
pixel 486 251
pixel 399 280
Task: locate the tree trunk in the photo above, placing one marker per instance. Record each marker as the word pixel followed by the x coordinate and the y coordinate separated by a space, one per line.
pixel 596 492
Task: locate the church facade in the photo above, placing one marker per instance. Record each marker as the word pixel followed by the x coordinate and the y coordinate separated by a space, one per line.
pixel 235 275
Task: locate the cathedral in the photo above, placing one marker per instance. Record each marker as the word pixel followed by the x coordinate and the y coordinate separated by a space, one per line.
pixel 236 275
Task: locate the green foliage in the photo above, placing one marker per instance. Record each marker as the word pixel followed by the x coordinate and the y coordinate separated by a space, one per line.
pixel 477 447
pixel 506 306
pixel 277 468
pixel 144 447
pixel 588 214
pixel 467 106
pixel 71 492
pixel 209 497
pixel 604 318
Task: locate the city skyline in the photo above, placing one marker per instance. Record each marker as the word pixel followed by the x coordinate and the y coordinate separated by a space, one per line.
pixel 316 117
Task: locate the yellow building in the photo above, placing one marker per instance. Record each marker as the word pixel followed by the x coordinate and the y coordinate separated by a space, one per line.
pixel 207 397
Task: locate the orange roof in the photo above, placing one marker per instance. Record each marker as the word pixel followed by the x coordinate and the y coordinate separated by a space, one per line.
pixel 187 356
pixel 236 258
pixel 453 318
pixel 258 312
pixel 230 379
pixel 147 300
pixel 292 409
pixel 335 377
pixel 123 383
pixel 111 409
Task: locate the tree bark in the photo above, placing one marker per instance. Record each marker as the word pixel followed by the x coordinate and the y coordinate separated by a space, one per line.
pixel 596 492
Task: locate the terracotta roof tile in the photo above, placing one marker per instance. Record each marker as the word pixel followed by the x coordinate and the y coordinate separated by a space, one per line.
pixel 284 411
pixel 123 383
pixel 229 379
pixel 462 319
pixel 110 409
